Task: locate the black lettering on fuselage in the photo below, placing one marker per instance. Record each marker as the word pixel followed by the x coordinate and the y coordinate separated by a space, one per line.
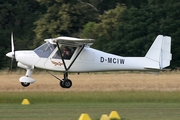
pixel 109 60
pixel 102 59
pixel 122 61
pixel 112 60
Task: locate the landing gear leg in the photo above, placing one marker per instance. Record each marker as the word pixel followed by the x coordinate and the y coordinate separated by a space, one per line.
pixel 26 80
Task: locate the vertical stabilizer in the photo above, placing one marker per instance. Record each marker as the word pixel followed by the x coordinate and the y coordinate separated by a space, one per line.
pixel 160 51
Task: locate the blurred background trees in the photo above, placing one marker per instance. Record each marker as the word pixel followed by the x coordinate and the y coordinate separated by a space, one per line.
pixel 122 27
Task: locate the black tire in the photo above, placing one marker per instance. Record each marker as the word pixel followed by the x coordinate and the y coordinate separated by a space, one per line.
pixel 67 83
pixel 61 83
pixel 25 84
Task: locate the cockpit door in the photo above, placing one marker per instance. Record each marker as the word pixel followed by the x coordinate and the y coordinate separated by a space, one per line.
pixel 54 61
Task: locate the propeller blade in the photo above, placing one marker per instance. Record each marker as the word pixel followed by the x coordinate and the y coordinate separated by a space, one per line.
pixel 12 42
pixel 12 46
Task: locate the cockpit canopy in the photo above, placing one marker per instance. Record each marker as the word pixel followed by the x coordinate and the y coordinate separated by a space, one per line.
pixel 45 50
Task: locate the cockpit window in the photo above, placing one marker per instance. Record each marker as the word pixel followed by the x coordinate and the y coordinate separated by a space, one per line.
pixel 57 55
pixel 45 50
pixel 67 52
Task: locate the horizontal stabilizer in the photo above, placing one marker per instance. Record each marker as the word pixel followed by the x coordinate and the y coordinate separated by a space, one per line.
pixel 151 69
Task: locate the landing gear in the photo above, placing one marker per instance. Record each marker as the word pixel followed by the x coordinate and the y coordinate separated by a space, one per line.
pixel 65 83
pixel 25 84
pixel 26 80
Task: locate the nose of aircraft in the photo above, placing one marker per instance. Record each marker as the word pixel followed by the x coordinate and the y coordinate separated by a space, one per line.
pixel 10 54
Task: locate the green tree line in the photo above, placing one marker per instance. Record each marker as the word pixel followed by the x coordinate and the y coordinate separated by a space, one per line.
pixel 122 27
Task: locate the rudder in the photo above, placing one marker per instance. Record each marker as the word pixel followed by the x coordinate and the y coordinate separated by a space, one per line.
pixel 166 55
pixel 160 51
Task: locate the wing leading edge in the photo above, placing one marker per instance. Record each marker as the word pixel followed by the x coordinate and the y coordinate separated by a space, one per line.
pixel 71 41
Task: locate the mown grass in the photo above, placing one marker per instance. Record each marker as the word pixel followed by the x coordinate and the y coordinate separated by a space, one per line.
pixel 107 97
pixel 72 111
pixel 130 105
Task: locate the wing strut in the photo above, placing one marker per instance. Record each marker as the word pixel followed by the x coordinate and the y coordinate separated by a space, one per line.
pixel 62 57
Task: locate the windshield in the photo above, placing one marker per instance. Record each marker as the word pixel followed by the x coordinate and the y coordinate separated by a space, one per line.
pixel 45 50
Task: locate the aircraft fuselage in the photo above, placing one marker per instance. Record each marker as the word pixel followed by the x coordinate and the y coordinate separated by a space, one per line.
pixel 89 60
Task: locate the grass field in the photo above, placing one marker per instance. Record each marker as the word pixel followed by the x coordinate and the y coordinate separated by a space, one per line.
pixel 135 96
pixel 72 111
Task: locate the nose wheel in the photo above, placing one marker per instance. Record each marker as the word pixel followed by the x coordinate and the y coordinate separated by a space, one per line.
pixel 65 83
pixel 25 84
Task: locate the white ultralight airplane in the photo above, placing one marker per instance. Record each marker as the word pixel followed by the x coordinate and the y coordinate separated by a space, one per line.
pixel 68 54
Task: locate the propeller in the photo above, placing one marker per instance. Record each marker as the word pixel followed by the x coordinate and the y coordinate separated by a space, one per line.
pixel 13 52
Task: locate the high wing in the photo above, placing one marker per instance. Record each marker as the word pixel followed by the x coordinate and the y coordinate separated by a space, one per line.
pixel 71 41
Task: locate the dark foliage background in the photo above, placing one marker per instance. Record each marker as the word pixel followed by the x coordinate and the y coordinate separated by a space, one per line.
pixel 122 27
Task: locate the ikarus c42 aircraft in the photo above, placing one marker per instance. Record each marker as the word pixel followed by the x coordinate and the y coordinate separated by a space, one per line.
pixel 69 54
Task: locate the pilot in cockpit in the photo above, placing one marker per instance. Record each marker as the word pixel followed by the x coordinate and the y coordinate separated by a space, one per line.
pixel 66 53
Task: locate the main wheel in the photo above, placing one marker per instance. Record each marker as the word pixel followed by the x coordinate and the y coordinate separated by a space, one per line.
pixel 67 83
pixel 25 84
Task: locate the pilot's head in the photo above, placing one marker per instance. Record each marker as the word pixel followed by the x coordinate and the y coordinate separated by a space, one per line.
pixel 66 48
